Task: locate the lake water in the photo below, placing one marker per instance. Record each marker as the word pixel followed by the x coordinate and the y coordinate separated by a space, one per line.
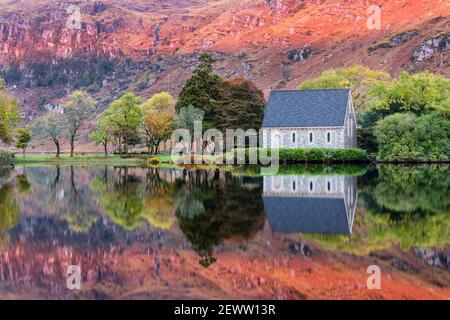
pixel 310 232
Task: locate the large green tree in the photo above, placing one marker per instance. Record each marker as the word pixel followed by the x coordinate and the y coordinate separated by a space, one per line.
pixel 417 94
pixel 23 139
pixel 77 110
pixel 8 114
pixel 102 134
pixel 125 117
pixel 358 79
pixel 406 137
pixel 202 90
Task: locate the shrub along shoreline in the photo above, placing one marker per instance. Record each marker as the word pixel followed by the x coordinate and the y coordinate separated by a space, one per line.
pixel 317 155
pixel 285 156
pixel 6 159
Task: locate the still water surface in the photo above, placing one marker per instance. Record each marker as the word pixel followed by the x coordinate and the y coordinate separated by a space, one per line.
pixel 146 233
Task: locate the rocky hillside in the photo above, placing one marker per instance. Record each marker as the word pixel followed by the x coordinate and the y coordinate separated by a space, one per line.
pixel 150 45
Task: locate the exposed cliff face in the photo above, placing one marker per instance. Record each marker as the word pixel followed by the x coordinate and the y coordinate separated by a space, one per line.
pixel 152 45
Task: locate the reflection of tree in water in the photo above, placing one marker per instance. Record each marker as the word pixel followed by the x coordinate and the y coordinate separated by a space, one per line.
pixel 160 198
pixel 215 207
pixel 9 208
pixel 57 192
pixel 405 205
pixel 120 196
pixel 80 215
pixel 412 189
pixel 130 199
pixel 23 185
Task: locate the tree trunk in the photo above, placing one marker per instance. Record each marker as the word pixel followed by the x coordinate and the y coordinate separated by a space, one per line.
pixel 24 150
pixel 125 145
pixel 105 145
pixel 120 145
pixel 72 145
pixel 58 149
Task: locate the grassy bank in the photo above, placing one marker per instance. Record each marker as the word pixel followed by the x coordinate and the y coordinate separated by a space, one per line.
pixel 79 160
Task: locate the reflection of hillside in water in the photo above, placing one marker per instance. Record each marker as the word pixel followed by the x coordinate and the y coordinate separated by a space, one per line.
pixel 80 207
pixel 127 226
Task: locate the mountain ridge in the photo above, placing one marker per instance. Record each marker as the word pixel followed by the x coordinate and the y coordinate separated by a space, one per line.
pixel 149 46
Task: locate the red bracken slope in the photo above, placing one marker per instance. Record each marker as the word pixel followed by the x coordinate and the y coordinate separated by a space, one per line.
pixel 276 43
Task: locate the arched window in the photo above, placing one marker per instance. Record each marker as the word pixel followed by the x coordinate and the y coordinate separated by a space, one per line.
pixel 293 137
pixel 293 186
pixel 311 137
pixel 311 186
pixel 329 136
pixel 329 186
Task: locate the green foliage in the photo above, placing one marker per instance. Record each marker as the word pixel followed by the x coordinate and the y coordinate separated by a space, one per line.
pixel 418 94
pixel 77 110
pixel 8 114
pixel 102 134
pixel 9 210
pixel 230 104
pixel 120 198
pixel 358 79
pixel 5 159
pixel 124 117
pixel 321 155
pixel 403 205
pixel 187 116
pixel 308 169
pixel 159 118
pixel 23 139
pixel 50 126
pixel 213 210
pixel 72 72
pixel 159 101
pixel 381 231
pixel 405 137
pixel 417 189
pixel 201 90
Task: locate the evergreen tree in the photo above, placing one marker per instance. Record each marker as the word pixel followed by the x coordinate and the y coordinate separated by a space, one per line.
pixel 202 90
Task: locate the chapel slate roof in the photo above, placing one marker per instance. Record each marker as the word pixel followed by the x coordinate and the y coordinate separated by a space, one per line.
pixel 306 108
pixel 307 215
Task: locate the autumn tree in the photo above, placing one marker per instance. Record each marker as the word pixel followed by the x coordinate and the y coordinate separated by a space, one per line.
pixel 76 111
pixel 124 116
pixel 23 139
pixel 50 126
pixel 158 121
pixel 160 101
pixel 240 105
pixel 8 114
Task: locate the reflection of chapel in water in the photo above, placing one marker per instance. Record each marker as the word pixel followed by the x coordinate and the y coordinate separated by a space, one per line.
pixel 310 204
